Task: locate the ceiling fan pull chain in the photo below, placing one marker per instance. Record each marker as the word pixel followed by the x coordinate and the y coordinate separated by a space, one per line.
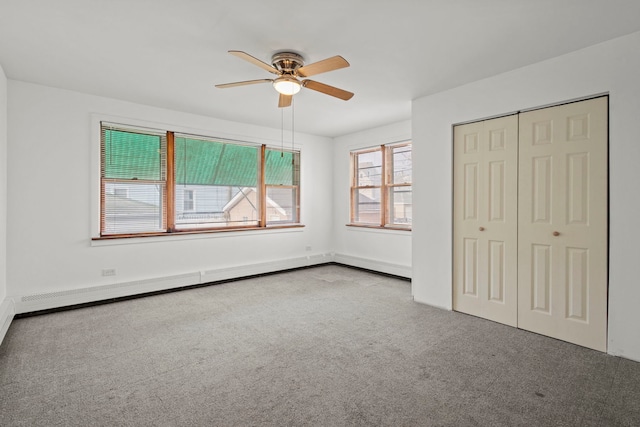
pixel 292 130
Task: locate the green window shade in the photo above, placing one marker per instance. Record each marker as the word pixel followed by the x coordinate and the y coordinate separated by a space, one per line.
pixel 130 155
pixel 201 162
pixel 282 167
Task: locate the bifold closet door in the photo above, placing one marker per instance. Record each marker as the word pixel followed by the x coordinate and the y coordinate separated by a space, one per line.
pixel 562 222
pixel 485 219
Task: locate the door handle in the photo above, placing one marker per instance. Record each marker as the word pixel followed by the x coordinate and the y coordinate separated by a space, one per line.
pixel 556 233
pixel 481 229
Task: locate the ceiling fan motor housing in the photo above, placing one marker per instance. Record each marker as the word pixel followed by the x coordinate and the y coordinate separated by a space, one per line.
pixel 287 62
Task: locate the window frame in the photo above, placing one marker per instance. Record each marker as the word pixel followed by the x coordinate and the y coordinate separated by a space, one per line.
pixel 161 181
pixel 170 202
pixel 386 185
pixel 355 188
pixel 391 185
pixel 296 187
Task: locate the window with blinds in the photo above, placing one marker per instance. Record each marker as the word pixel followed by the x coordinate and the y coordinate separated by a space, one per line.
pixel 133 181
pixel 162 182
pixel 381 186
pixel 282 179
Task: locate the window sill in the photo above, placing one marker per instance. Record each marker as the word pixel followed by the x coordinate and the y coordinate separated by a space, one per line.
pixel 377 227
pixel 190 235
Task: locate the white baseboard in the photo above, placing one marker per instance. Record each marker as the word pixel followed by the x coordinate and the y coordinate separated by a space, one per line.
pixel 63 298
pixel 67 297
pixel 375 265
pixel 425 302
pixel 616 352
pixel 218 274
pixel 7 311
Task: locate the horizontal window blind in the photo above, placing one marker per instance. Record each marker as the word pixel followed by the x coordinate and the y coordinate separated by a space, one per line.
pixel 133 181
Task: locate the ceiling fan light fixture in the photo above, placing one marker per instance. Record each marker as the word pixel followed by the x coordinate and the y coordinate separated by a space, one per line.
pixel 292 75
pixel 287 85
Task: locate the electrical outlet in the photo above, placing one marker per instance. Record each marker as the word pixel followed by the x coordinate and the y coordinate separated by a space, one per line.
pixel 109 272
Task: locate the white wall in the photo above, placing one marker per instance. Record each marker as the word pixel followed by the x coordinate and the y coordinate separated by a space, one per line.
pixel 53 186
pixel 6 304
pixel 612 67
pixel 388 251
pixel 3 185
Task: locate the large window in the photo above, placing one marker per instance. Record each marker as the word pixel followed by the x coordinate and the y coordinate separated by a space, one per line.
pixel 163 182
pixel 381 186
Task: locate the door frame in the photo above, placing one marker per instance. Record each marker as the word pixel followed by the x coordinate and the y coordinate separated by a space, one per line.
pixel 518 112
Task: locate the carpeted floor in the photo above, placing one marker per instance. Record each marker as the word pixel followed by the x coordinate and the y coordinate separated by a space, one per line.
pixel 326 346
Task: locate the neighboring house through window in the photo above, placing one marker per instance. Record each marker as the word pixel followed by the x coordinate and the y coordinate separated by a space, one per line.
pixel 121 192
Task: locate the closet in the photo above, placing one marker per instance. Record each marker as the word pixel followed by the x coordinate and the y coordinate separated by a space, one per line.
pixel 530 221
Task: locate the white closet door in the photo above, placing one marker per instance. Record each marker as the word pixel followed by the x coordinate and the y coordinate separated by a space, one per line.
pixel 562 222
pixel 485 219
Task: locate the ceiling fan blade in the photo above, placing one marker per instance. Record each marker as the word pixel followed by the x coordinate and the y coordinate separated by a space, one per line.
pixel 284 101
pixel 329 90
pixel 254 61
pixel 244 83
pixel 329 64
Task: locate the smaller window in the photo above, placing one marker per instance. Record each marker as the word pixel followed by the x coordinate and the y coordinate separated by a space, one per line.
pixel 399 192
pixel 366 194
pixel 282 181
pixel 381 186
pixel 188 202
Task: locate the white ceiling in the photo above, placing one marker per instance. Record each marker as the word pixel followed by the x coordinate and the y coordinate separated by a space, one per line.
pixel 171 53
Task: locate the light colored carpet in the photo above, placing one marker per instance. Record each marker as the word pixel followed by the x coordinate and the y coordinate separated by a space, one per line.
pixel 326 346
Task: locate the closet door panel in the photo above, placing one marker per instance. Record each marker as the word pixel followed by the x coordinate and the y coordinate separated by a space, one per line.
pixel 562 222
pixel 485 219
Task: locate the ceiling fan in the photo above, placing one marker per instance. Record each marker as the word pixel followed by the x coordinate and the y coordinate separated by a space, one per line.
pixel 290 68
